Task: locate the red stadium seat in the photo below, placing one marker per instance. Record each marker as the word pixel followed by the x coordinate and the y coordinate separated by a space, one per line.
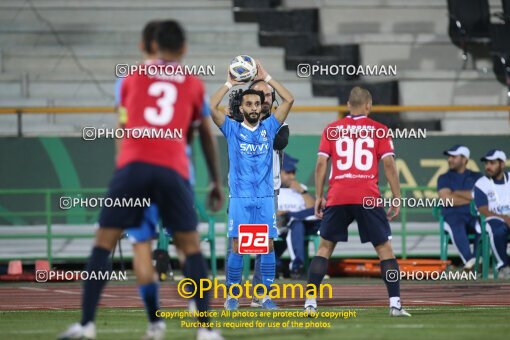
pixel 15 268
pixel 42 265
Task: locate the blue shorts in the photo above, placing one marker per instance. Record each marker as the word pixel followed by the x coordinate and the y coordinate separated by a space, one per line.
pixel 147 230
pixel 253 210
pixel 373 225
pixel 168 190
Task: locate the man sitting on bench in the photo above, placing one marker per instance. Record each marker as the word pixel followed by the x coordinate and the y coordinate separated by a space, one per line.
pixel 296 217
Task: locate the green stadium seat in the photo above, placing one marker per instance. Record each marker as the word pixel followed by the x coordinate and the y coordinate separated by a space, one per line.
pixel 483 246
pixel 487 252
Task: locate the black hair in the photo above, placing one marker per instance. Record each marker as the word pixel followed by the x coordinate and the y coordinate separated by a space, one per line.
pixel 170 36
pixel 255 92
pixel 273 94
pixel 149 35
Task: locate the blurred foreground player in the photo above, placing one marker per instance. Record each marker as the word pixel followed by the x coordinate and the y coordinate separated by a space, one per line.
pixel 354 176
pixel 250 153
pixel 156 169
pixel 149 48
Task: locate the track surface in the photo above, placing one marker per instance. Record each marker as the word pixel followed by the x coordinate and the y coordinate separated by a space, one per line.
pixel 67 295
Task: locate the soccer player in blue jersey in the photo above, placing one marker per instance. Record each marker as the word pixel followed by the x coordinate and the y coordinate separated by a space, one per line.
pixel 250 152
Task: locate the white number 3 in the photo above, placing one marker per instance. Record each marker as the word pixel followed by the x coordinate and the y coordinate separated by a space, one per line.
pixel 165 103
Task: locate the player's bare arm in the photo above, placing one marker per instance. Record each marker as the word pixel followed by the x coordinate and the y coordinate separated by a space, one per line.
pixel 390 170
pixel 287 98
pixel 447 194
pixel 210 149
pixel 320 177
pixel 219 115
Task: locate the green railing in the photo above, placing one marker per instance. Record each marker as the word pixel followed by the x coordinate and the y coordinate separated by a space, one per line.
pixel 404 214
pixel 50 212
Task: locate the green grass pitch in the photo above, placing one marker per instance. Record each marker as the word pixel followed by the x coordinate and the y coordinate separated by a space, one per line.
pixel 450 322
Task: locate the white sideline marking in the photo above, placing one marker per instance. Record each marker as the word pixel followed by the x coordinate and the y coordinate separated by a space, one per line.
pixel 109 296
pixel 428 302
pixel 67 292
pixel 33 288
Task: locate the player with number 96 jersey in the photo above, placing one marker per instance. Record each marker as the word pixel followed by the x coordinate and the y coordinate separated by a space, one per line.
pixel 355 145
pixel 354 148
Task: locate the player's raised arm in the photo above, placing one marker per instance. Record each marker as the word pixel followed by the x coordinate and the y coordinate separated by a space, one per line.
pixel 390 170
pixel 218 115
pixel 287 98
pixel 320 177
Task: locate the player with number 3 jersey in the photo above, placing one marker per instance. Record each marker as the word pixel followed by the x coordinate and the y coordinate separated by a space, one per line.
pixel 152 102
pixel 155 167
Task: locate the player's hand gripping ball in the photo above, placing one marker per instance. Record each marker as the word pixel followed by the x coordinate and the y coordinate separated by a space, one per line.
pixel 243 68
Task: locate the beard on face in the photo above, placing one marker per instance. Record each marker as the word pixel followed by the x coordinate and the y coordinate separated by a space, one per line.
pixel 495 173
pixel 266 108
pixel 265 111
pixel 248 117
pixel 454 166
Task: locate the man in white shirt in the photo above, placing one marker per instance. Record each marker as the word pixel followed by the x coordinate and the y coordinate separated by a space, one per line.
pixel 492 198
pixel 295 209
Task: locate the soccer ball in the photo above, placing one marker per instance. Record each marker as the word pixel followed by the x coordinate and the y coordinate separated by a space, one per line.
pixel 243 68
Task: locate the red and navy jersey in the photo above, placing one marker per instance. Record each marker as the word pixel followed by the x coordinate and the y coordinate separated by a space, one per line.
pixel 354 158
pixel 163 102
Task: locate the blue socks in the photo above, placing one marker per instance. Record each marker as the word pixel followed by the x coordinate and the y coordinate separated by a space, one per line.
pixel 235 269
pixel 99 261
pixel 267 269
pixel 150 297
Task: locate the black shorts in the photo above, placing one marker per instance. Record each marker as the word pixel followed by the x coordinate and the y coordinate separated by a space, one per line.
pixel 163 186
pixel 373 224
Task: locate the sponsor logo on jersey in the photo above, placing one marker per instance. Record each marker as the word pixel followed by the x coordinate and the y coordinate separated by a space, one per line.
pixel 254 148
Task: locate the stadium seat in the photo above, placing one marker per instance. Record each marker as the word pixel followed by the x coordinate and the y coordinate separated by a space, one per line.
pixel 257 3
pixel 164 239
pixel 445 240
pixel 383 93
pixel 500 51
pixel 42 265
pixel 487 251
pixel 505 15
pixel 468 28
pixel 15 268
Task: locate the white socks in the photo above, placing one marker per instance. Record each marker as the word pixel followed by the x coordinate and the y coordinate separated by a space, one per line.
pixel 395 302
pixel 311 302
